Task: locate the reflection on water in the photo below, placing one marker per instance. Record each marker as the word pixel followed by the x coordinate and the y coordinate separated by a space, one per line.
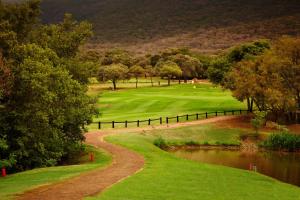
pixel 282 166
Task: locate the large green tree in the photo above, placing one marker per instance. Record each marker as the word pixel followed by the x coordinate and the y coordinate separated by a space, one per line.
pixel 169 70
pixel 271 81
pixel 190 66
pixel 43 100
pixel 113 73
pixel 136 71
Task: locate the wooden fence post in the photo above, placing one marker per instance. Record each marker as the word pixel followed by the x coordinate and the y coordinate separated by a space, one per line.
pixel 113 124
pixel 99 125
pixel 177 119
pixel 138 123
pixel 126 124
pixel 233 112
pixel 206 115
pixel 167 120
pixel 160 120
pixel 187 117
pixel 149 122
pixel 224 112
pixel 216 113
pixel 197 116
pixel 240 111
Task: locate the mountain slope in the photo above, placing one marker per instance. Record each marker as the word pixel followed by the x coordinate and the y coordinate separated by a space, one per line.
pixel 157 23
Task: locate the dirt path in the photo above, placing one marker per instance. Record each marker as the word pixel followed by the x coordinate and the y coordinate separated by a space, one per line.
pixel 125 163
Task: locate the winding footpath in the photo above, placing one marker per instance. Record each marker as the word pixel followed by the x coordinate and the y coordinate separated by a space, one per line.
pixel 125 163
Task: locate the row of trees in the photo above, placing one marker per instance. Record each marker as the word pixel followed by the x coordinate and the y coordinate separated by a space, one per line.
pixel 265 75
pixel 118 65
pixel 43 84
pixel 270 81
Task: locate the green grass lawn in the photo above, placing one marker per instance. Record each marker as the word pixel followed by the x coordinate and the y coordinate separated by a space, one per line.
pixel 167 177
pixel 145 103
pixel 20 182
pixel 198 134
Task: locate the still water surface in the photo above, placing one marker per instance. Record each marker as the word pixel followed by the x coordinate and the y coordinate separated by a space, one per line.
pixel 282 166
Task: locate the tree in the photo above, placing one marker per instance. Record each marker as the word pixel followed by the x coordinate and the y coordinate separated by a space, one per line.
pixel 117 56
pixel 220 66
pixel 16 22
pixel 113 72
pixel 43 109
pixel 240 81
pixel 5 79
pixel 248 51
pixel 190 66
pixel 44 115
pixel 150 72
pixel 64 38
pixel 169 69
pixel 288 49
pixel 80 70
pixel 218 69
pixel 270 81
pixel 136 71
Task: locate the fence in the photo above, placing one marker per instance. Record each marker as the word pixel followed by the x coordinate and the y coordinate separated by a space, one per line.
pixel 167 120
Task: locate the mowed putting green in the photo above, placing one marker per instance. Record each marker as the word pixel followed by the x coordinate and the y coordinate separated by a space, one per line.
pixel 145 103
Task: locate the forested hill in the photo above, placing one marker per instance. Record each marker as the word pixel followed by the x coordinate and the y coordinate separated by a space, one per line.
pixel 201 24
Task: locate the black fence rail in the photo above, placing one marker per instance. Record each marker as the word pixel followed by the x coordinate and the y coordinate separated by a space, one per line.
pixel 168 120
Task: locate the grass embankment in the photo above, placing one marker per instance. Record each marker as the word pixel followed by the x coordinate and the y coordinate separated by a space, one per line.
pixel 20 182
pixel 166 176
pixel 198 135
pixel 145 103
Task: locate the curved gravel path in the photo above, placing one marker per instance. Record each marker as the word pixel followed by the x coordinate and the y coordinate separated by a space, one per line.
pixel 124 164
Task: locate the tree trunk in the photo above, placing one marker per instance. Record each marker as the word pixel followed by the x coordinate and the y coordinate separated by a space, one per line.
pixel 185 79
pixel 250 104
pixel 136 83
pixel 151 81
pixel 115 84
pixel 169 81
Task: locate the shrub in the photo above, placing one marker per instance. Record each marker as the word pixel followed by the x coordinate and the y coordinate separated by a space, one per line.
pixel 161 143
pixel 192 143
pixel 283 141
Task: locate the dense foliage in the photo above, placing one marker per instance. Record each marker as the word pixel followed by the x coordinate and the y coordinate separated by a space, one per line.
pixel 270 81
pixel 283 141
pixel 43 101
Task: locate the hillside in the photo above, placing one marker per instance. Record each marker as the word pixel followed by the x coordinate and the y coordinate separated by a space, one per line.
pixel 206 25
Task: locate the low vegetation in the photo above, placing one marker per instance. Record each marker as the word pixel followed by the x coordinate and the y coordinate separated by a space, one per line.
pixel 283 141
pixel 197 135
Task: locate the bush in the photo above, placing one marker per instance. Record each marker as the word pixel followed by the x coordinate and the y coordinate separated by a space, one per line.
pixel 161 143
pixel 283 141
pixel 192 143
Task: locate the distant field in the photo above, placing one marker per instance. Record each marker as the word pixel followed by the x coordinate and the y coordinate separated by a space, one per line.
pixel 145 103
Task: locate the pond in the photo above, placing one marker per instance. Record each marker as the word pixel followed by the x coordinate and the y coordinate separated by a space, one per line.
pixel 282 166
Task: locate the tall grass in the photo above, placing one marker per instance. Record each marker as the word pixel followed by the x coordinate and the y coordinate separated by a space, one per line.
pixel 283 141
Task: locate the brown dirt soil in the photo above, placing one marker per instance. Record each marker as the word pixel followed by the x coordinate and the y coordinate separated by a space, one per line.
pixel 124 164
